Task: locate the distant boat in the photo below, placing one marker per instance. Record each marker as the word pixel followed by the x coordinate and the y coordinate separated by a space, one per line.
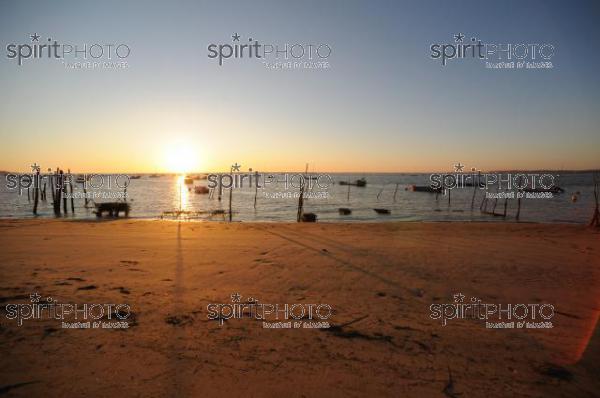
pixel 358 183
pixel 201 190
pixel 382 211
pixel 135 177
pixel 80 179
pixel 154 175
pixel 309 217
pixel 344 211
pixel 423 188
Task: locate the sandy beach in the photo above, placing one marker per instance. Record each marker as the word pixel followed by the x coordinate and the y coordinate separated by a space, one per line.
pixel 379 279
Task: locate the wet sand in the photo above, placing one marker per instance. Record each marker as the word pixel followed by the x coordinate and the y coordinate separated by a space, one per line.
pixel 379 279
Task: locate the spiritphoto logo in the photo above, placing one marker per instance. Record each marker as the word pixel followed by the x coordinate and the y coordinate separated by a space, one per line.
pixel 90 186
pixel 274 185
pixel 273 56
pixel 71 315
pixel 274 316
pixel 496 315
pixel 73 56
pixel 520 185
pixel 495 55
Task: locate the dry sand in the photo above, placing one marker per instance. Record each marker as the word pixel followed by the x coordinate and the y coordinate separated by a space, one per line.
pixel 384 275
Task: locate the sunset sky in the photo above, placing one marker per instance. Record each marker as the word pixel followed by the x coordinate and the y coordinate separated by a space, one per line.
pixel 383 105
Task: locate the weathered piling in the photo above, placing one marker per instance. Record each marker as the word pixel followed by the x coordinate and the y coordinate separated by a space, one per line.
pixel 52 188
pixel 57 192
pixel 255 189
pixel 396 191
pixel 473 197
pixel 36 183
pixel 64 191
pixel 519 194
pixel 71 190
pixel 85 198
pixel 301 200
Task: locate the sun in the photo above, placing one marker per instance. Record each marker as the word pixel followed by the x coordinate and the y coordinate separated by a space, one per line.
pixel 181 159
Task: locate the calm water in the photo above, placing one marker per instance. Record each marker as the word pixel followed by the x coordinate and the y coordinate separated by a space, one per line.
pixel 150 197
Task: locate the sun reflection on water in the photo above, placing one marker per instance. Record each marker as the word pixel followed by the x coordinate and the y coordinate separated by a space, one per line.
pixel 181 194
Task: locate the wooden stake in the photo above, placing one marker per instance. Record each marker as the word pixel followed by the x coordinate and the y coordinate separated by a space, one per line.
pixel 255 189
pixel 63 184
pixel 36 189
pixel 71 188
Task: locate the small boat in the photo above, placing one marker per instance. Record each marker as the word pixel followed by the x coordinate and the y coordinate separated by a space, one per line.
pixel 201 190
pixel 154 175
pixel 80 179
pixel 358 183
pixel 423 188
pixel 135 177
pixel 344 211
pixel 309 217
pixel 382 211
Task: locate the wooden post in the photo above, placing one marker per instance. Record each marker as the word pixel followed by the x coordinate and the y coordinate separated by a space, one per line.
pixel 63 184
pixel 301 199
pixel 255 189
pixel 85 198
pixel 36 182
pixel 71 188
pixel 56 189
pixel 52 188
pixel 396 191
pixel 220 189
pixel 519 200
pixel 44 197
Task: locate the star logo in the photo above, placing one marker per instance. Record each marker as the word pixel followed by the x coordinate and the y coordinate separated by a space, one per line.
pixel 459 38
pixel 459 298
pixel 35 298
pixel 34 37
pixel 235 37
pixel 35 167
pixel 236 167
pixel 459 167
pixel 236 298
